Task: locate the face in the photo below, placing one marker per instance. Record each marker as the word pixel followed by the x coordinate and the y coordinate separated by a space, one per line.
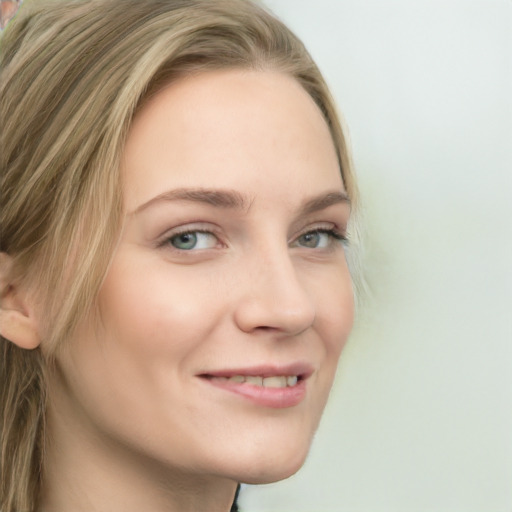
pixel 228 300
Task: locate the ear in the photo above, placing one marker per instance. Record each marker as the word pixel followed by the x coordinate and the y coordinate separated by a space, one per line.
pixel 17 320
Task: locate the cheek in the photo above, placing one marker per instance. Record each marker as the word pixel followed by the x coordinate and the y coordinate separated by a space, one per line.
pixel 339 318
pixel 334 297
pixel 154 309
pixel 133 357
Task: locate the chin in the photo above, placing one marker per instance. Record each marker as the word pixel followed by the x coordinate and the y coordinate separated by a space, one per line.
pixel 269 475
pixel 270 467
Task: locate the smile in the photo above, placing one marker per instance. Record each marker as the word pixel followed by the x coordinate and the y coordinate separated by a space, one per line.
pixel 266 382
pixel 277 388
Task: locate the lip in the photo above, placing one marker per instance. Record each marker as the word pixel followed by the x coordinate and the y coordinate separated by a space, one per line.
pixel 275 398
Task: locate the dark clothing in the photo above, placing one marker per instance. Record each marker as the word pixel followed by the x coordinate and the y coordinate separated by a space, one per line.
pixel 234 507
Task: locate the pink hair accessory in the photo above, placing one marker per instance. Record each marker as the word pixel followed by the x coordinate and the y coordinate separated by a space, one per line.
pixel 8 9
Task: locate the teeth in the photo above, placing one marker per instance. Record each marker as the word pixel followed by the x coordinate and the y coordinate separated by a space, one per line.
pixel 291 381
pixel 267 382
pixel 274 382
pixel 256 381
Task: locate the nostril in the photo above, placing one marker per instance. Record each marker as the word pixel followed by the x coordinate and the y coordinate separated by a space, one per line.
pixel 275 303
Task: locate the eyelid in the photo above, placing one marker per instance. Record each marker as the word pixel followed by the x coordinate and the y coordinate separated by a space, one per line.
pixel 322 227
pixel 329 228
pixel 163 241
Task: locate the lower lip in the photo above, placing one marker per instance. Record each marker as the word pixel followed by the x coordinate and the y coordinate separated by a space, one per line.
pixel 275 398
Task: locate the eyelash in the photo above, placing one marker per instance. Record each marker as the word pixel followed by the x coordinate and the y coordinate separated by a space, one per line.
pixel 334 235
pixel 167 241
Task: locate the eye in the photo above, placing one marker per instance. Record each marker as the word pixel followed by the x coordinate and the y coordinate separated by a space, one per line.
pixel 319 238
pixel 193 240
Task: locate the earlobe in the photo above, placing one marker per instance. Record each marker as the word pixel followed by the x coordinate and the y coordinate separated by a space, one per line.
pixel 17 322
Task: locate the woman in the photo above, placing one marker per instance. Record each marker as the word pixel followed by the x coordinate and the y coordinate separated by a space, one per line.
pixel 176 192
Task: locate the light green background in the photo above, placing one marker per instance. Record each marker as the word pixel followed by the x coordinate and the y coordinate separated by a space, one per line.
pixel 420 419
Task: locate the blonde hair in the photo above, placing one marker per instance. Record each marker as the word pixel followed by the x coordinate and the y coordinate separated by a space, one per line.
pixel 73 73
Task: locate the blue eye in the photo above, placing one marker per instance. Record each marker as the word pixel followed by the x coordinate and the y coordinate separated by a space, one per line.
pixel 319 238
pixel 193 240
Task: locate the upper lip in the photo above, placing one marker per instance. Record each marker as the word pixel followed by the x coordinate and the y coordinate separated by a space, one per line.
pixel 300 369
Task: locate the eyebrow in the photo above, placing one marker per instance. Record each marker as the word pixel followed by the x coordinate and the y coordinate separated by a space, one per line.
pixel 323 201
pixel 232 199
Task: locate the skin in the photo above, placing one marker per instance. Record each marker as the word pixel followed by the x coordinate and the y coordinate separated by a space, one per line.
pixel 133 425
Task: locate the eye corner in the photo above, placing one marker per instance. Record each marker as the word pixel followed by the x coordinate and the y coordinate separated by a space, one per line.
pixel 189 239
pixel 321 237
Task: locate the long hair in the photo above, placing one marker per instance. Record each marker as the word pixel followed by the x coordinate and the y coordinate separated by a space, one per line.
pixel 73 74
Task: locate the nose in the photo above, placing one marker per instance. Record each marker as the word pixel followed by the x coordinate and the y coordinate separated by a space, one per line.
pixel 274 298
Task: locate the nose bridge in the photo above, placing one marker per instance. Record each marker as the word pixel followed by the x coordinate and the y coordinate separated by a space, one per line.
pixel 275 296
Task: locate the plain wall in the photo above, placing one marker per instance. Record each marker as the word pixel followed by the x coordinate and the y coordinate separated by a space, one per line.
pixel 420 418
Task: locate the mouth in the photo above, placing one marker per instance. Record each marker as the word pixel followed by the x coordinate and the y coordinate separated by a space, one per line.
pixel 264 386
pixel 278 381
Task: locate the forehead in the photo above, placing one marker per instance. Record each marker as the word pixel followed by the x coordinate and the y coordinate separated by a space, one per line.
pixel 229 129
